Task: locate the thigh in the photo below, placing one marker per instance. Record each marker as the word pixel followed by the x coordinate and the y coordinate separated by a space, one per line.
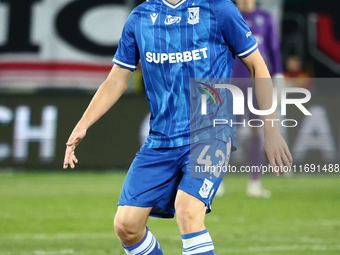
pixel 152 181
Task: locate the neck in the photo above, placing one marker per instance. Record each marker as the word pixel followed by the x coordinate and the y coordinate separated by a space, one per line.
pixel 174 1
pixel 246 8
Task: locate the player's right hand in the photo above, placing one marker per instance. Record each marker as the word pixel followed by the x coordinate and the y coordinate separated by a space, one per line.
pixel 75 138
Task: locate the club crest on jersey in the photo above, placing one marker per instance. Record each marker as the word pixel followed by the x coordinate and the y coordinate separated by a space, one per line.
pixel 194 15
pixel 171 20
pixel 206 188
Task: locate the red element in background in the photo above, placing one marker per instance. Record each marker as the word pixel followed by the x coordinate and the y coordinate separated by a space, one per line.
pixel 48 66
pixel 327 42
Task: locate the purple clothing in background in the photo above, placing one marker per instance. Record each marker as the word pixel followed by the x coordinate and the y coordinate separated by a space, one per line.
pixel 265 30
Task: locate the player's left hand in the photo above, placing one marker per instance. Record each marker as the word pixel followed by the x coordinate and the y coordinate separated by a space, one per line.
pixel 277 153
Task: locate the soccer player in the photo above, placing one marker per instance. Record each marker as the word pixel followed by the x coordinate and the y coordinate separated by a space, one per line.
pixel 175 41
pixel 266 32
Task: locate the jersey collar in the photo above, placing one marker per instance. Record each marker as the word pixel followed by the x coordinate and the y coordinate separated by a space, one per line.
pixel 173 6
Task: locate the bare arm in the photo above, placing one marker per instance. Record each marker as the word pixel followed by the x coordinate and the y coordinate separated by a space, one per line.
pixel 263 85
pixel 275 148
pixel 106 96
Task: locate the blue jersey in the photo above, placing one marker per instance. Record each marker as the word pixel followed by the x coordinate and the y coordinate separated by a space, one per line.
pixel 192 39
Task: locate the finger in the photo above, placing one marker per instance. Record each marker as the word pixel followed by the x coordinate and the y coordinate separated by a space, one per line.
pixel 70 146
pixel 289 156
pixel 68 152
pixel 71 163
pixel 74 142
pixel 273 165
pixel 74 164
pixel 74 159
pixel 66 159
pixel 276 171
pixel 265 156
pixel 77 142
pixel 286 161
pixel 279 164
pixel 70 143
pixel 271 161
pixel 67 163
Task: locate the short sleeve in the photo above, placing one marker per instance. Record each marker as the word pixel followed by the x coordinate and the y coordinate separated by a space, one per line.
pixel 235 30
pixel 127 54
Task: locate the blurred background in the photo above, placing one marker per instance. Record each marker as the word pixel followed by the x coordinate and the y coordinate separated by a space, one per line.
pixel 54 54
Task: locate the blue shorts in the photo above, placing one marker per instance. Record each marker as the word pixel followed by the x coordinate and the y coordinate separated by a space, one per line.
pixel 156 174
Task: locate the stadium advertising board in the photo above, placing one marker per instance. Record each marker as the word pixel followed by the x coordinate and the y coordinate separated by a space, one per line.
pixel 46 43
pixel 34 129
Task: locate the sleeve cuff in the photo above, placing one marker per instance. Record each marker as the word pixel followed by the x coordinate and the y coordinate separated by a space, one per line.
pixel 248 52
pixel 122 64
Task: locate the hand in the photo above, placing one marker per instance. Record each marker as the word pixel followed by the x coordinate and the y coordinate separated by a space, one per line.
pixel 277 153
pixel 75 138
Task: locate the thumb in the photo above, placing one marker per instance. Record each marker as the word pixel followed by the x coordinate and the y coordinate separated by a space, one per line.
pixel 71 141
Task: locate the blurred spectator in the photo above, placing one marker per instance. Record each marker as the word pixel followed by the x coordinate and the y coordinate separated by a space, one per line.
pixel 294 74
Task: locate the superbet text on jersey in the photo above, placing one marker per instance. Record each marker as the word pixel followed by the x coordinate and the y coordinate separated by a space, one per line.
pixel 191 39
